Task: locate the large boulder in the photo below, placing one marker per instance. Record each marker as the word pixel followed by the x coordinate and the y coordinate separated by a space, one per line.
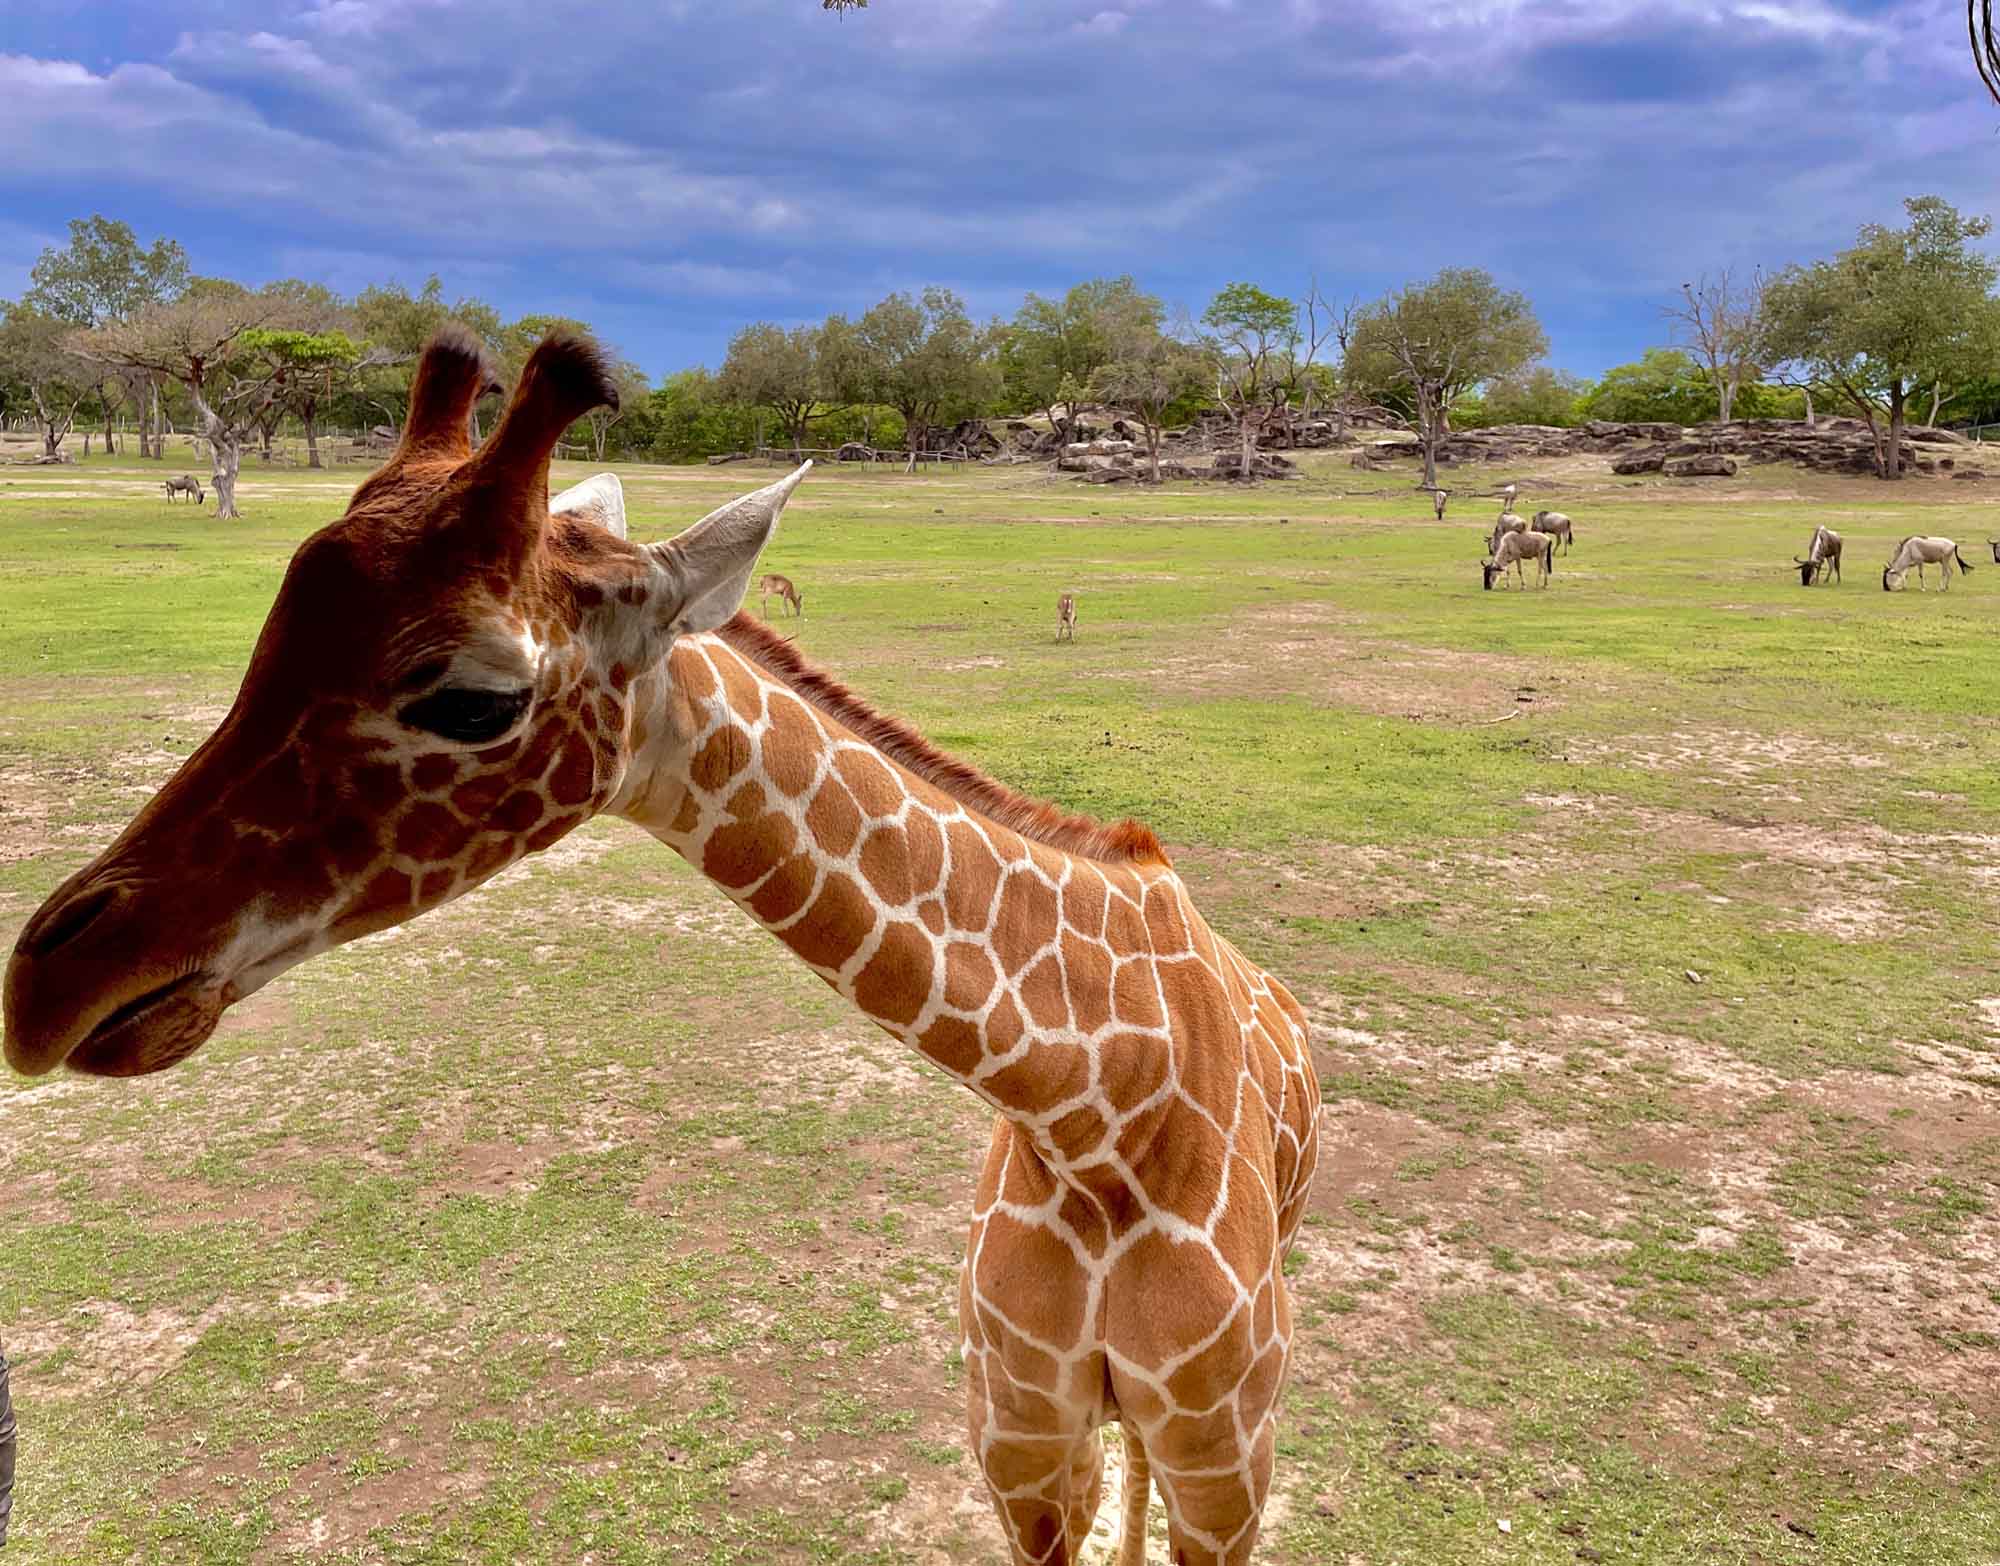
pixel 1709 465
pixel 1639 462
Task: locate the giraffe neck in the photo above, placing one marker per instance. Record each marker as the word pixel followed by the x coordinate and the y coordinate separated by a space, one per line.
pixel 990 954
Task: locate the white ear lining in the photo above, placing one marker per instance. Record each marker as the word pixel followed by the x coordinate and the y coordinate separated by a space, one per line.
pixel 714 559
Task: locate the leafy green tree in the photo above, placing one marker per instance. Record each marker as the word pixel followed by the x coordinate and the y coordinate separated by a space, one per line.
pixel 1902 311
pixel 799 375
pixel 925 358
pixel 1251 340
pixel 691 421
pixel 1438 339
pixel 396 324
pixel 103 275
pixel 35 355
pixel 1537 396
pixel 1149 373
pixel 1664 387
pixel 1051 352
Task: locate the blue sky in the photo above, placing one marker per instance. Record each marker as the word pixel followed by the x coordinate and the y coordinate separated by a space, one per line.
pixel 669 170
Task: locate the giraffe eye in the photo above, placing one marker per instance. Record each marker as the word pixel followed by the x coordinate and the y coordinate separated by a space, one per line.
pixel 459 712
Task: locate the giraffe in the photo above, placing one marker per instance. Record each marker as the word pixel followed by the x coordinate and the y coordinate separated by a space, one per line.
pixel 459 671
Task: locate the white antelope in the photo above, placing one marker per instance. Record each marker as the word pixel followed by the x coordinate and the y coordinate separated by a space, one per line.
pixel 1515 548
pixel 1066 617
pixel 1920 551
pixel 1822 555
pixel 1439 495
pixel 1556 525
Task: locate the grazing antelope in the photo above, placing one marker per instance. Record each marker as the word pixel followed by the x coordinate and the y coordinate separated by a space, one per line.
pixel 1507 495
pixel 1066 617
pixel 1509 523
pixel 786 593
pixel 1439 496
pixel 1515 548
pixel 1556 525
pixel 1823 553
pixel 1919 551
pixel 185 486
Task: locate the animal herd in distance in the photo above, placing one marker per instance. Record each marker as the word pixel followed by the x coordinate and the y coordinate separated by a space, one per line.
pixel 1513 542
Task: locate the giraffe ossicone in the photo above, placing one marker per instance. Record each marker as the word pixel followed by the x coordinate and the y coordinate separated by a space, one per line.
pixel 460 671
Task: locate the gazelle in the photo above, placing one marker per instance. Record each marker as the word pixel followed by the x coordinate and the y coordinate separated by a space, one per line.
pixel 1066 617
pixel 782 587
pixel 1513 549
pixel 1919 551
pixel 1824 552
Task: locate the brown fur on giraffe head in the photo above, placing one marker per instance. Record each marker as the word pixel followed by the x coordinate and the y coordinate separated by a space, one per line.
pixel 441 687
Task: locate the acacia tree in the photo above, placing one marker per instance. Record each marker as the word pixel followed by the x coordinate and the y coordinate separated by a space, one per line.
pixel 922 356
pixel 1437 339
pixel 1719 321
pixel 1251 342
pixel 104 275
pixel 203 340
pixel 1901 311
pixel 35 354
pixel 796 374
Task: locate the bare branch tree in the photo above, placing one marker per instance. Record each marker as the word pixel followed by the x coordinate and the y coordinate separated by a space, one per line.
pixel 1718 320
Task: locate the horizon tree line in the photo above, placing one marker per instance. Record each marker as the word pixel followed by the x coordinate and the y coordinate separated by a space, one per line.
pixel 1903 323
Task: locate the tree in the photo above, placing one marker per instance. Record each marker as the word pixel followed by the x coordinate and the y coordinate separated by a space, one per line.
pixel 1053 349
pixel 1440 338
pixel 797 374
pixel 924 357
pixel 1720 321
pixel 206 340
pixel 396 324
pixel 1251 341
pixel 634 388
pixel 104 275
pixel 1537 396
pixel 690 421
pixel 1148 372
pixel 35 354
pixel 1900 312
pixel 1664 387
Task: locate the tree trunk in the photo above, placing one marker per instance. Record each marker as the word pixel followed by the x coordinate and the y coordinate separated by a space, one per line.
pixel 1249 439
pixel 1428 419
pixel 88 436
pixel 110 449
pixel 1892 465
pixel 1937 401
pixel 1153 448
pixel 309 416
pixel 51 442
pixel 1809 408
pixel 1725 396
pixel 222 473
pixel 156 420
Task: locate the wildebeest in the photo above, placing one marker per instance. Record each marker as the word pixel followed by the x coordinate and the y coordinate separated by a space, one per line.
pixel 1515 548
pixel 185 485
pixel 1066 617
pixel 1919 551
pixel 1556 525
pixel 1510 522
pixel 1823 554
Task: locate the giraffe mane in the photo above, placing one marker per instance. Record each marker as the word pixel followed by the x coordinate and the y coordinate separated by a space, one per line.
pixel 1121 842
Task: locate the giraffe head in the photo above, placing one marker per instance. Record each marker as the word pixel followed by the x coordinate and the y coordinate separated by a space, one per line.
pixel 442 686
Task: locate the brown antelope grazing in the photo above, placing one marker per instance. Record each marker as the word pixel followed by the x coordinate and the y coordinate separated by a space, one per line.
pixel 781 586
pixel 1920 551
pixel 1557 526
pixel 1510 522
pixel 1066 617
pixel 1516 548
pixel 457 674
pixel 185 486
pixel 1822 555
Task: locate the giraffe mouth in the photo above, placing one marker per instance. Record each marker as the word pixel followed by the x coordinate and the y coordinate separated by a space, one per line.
pixel 154 1031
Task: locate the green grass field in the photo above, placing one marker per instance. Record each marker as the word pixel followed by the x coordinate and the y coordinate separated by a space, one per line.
pixel 1647 924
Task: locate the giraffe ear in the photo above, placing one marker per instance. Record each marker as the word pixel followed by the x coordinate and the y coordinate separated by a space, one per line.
pixel 712 560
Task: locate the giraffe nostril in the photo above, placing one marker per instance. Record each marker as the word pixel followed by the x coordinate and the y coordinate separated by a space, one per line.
pixel 63 923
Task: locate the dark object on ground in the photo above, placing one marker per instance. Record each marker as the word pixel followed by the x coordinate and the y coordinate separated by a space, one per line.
pixel 7 1443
